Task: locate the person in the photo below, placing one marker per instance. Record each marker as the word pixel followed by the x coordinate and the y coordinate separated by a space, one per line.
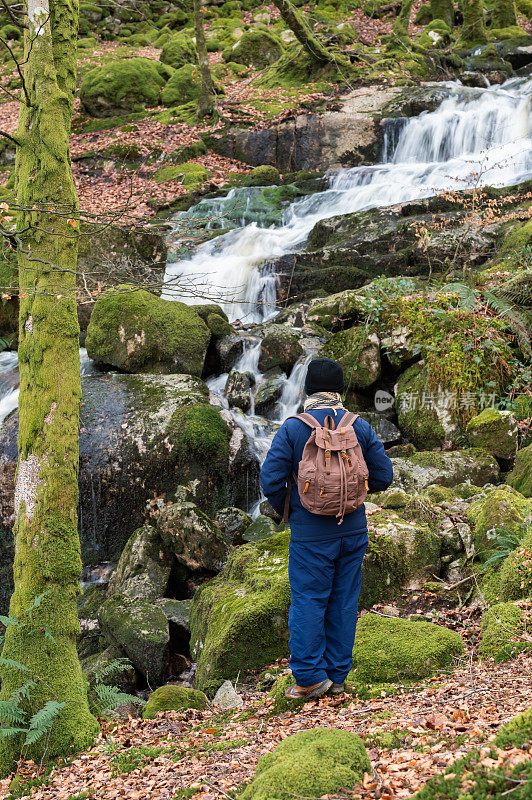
pixel 325 556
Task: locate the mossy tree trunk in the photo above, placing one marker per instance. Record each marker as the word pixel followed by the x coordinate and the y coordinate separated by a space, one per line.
pixel 47 557
pixel 296 22
pixel 443 9
pixel 473 27
pixel 206 99
pixel 401 25
pixel 504 14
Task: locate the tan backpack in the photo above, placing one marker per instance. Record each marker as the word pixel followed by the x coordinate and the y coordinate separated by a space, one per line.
pixel 332 477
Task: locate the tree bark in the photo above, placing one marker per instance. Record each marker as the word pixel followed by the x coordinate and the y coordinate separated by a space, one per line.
pixel 504 14
pixel 401 25
pixel 443 9
pixel 207 98
pixel 473 26
pixel 296 22
pixel 47 557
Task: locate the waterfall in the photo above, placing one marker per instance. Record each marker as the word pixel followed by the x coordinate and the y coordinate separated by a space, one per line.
pixel 475 137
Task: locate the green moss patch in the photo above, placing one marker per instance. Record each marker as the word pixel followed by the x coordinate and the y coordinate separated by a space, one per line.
pixel 311 763
pixel 502 509
pixel 173 698
pixel 503 626
pixel 520 478
pixel 388 649
pixel 178 51
pixel 122 87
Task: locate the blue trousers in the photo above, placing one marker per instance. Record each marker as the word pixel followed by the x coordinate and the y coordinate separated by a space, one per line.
pixel 325 578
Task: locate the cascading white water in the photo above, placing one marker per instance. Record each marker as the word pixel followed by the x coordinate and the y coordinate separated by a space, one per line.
pixel 475 137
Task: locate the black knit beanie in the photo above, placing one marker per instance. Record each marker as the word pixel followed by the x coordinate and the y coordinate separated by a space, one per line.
pixel 324 375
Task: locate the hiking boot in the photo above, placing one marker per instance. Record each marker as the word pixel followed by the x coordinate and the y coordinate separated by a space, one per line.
pixel 308 692
pixel 337 688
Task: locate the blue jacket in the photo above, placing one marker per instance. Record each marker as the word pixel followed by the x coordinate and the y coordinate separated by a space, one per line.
pixel 283 459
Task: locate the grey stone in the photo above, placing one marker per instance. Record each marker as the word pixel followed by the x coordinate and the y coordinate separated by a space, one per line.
pixel 226 697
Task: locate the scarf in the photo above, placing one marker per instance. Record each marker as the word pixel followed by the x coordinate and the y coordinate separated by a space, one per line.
pixel 324 400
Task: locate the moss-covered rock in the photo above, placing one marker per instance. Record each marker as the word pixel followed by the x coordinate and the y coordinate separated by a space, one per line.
pixel 239 621
pixel 401 554
pixel 423 422
pixel 515 580
pixel 190 174
pixel 173 698
pixel 358 351
pixel 280 702
pixel 110 668
pixel 258 47
pixel 389 649
pixel 502 509
pixel 140 629
pixel 417 471
pixel 195 540
pixel 179 50
pixel 494 430
pixel 182 87
pixel 144 566
pixel 311 763
pixel 261 528
pixel 264 175
pixel 280 347
pixel 502 627
pixel 122 87
pixel 136 331
pixel 520 477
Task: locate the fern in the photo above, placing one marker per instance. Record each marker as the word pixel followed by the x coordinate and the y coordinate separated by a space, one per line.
pixel 109 697
pixel 112 668
pixel 8 733
pixel 467 295
pixel 11 712
pixel 505 542
pixel 8 662
pixel 42 721
pixel 517 319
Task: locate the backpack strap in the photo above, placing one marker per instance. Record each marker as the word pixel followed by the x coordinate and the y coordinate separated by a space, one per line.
pixel 347 420
pixel 308 419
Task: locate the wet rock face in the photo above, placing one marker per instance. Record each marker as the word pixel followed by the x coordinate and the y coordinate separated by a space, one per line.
pixel 347 251
pixel 140 436
pixel 348 135
pixel 195 540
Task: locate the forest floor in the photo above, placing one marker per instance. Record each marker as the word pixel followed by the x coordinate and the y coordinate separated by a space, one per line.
pixel 411 732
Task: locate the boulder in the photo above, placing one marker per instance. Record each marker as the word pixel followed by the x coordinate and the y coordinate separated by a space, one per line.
pixel 195 540
pixel 144 567
pixel 425 422
pixel 515 578
pixel 312 763
pixel 388 650
pixel 178 51
pixel 233 523
pixel 502 509
pixel 177 612
pixel 401 554
pixel 269 393
pixel 417 471
pixel 113 255
pixel 503 629
pixel 387 432
pixel 140 629
pixel 183 86
pixel 261 528
pixel 258 47
pixel 358 351
pixel 239 620
pixel 494 430
pixel 122 87
pixel 280 348
pixel 229 349
pixel 227 697
pixel 238 390
pixel 136 331
pixel 110 668
pixel 399 347
pixel 520 477
pixel 173 698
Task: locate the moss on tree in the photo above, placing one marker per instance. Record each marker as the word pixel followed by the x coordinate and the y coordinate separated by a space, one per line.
pixel 47 555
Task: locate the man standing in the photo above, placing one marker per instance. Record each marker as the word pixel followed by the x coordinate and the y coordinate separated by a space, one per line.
pixel 326 551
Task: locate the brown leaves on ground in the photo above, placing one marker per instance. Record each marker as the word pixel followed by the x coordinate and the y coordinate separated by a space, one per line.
pixel 410 736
